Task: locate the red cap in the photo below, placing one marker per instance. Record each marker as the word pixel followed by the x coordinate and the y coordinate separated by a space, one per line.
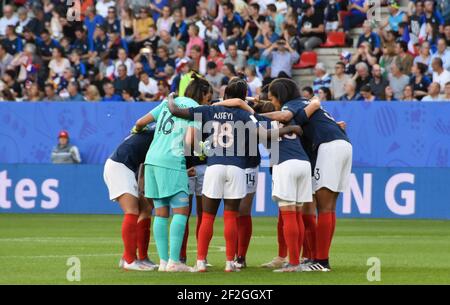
pixel 63 134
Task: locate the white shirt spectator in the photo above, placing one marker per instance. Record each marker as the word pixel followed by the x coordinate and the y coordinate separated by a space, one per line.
pixel 4 22
pixel 442 79
pixel 445 58
pixel 429 98
pixel 150 88
pixel 254 85
pixel 102 7
pixel 59 68
pixel 128 62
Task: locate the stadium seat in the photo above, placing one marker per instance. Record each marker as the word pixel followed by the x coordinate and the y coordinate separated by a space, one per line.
pixel 334 39
pixel 307 60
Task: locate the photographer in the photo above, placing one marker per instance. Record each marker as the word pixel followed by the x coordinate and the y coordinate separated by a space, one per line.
pixel 282 56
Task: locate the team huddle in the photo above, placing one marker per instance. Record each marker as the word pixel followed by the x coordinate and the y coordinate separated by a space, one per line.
pixel 191 146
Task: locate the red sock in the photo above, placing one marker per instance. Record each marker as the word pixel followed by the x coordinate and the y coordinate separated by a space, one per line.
pixel 244 234
pixel 290 230
pixel 143 238
pixel 324 235
pixel 309 243
pixel 230 233
pixel 205 234
pixel 301 231
pixel 129 230
pixel 333 218
pixel 199 222
pixel 183 254
pixel 282 248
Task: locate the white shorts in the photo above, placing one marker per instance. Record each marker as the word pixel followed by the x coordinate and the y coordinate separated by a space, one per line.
pixel 291 181
pixel 196 182
pixel 224 182
pixel 333 166
pixel 119 179
pixel 251 176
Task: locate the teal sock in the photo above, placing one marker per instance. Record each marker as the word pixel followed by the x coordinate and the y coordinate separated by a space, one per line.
pixel 177 228
pixel 160 233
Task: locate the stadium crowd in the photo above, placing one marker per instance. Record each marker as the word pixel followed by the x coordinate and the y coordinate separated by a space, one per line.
pixel 141 50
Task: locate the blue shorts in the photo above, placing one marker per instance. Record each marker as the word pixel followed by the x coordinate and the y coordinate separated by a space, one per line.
pixel 179 200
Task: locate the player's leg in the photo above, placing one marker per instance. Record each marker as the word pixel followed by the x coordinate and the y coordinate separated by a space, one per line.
pixel 210 207
pixel 245 229
pixel 290 232
pixel 144 222
pixel 309 211
pixel 230 217
pixel 160 231
pixel 180 206
pixel 183 252
pixel 280 260
pixel 199 210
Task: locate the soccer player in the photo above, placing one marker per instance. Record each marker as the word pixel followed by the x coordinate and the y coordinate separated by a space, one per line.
pixel 166 178
pixel 333 153
pixel 225 174
pixel 120 174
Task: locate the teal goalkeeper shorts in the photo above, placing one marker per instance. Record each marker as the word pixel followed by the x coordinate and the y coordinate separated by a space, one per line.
pixel 161 182
pixel 180 200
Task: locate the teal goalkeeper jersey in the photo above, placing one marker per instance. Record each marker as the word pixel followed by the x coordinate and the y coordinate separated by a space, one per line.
pixel 167 148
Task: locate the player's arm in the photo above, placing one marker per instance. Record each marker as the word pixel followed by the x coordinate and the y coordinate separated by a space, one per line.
pixel 142 122
pixel 342 125
pixel 263 133
pixel 284 116
pixel 235 103
pixel 183 113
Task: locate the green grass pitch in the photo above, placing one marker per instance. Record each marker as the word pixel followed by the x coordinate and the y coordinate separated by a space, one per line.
pixel 34 250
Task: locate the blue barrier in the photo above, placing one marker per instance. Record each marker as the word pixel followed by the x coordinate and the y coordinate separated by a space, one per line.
pixel 384 134
pixel 373 192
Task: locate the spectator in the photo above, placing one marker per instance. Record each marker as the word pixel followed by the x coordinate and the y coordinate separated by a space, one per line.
pixel 367 95
pixel 92 94
pixel 371 37
pixel 199 62
pixel 431 15
pixel 24 20
pixel 433 93
pixel 446 35
pixel 12 43
pixel 324 94
pixel 91 21
pixel 276 17
pixel 312 28
pixel 9 18
pixel 163 91
pixel 440 75
pixel 419 81
pixel 446 96
pixel 165 21
pixel 235 57
pixel 267 36
pixel 5 59
pixel 141 28
pixel 122 82
pixel 254 20
pixel 282 56
pixel 214 77
pixel 338 80
pixel 127 96
pixel 179 28
pixel 350 92
pixel 194 39
pixel 254 83
pixel 356 14
pixel 389 94
pixel 408 94
pixel 397 81
pixel 362 76
pixel 424 56
pixel 73 92
pixel 323 79
pixel 378 82
pixel 364 55
pixel 212 35
pixel 127 24
pixel 50 94
pixel 110 94
pixel 230 20
pixel 332 16
pixel 170 43
pixel 64 152
pixel 443 53
pixel 307 92
pixel 396 16
pixel 123 60
pixel 404 60
pixel 112 24
pixel 148 87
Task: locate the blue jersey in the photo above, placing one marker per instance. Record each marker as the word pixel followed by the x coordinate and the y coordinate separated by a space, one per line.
pixel 319 128
pixel 226 134
pixel 289 146
pixel 133 149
